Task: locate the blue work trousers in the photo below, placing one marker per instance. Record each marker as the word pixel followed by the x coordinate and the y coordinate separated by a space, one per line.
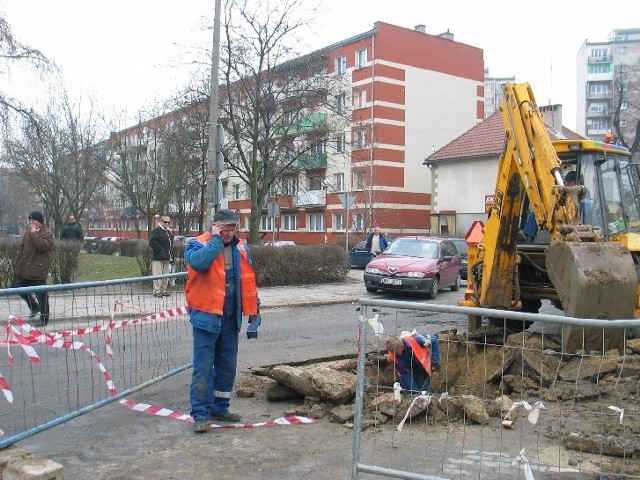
pixel 215 358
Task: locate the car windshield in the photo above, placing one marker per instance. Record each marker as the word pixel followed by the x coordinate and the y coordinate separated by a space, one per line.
pixel 461 246
pixel 413 247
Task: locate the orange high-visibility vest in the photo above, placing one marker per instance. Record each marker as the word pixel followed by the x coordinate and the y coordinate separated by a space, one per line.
pixel 421 353
pixel 205 291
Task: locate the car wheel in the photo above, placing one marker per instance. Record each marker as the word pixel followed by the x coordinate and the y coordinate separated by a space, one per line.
pixel 456 286
pixel 433 293
pixel 371 289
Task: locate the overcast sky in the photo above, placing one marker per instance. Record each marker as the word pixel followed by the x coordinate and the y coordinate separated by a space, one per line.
pixel 128 53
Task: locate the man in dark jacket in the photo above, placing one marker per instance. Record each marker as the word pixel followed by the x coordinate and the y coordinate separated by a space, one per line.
pixel 72 230
pixel 376 242
pixel 34 259
pixel 160 241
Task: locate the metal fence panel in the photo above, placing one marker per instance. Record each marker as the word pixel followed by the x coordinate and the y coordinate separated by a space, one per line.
pixel 501 406
pixel 102 338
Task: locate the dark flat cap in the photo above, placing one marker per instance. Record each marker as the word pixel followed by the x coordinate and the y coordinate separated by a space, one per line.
pixel 226 217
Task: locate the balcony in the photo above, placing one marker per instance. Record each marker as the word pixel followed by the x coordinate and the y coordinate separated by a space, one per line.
pixel 600 59
pixel 312 160
pixel 312 122
pixel 311 198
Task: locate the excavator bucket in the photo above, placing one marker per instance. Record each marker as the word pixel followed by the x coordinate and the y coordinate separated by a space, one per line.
pixel 593 280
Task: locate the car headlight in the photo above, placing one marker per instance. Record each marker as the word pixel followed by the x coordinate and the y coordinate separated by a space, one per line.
pixel 372 270
pixel 415 274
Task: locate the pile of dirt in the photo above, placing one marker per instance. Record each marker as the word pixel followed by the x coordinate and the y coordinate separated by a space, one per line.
pixel 479 383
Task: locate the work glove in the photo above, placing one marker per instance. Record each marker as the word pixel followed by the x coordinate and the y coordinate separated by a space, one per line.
pixel 254 323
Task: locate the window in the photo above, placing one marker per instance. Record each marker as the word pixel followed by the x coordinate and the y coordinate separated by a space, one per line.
pixel 488 101
pixel 266 223
pixel 290 186
pixel 236 191
pixel 341 103
pixel 340 140
pixel 273 190
pixel 315 222
pixel 358 180
pixel 623 68
pixel 289 222
pixel 338 182
pixel 622 50
pixel 338 221
pixel 361 58
pixel 600 124
pixel 488 86
pixel 598 107
pixel 598 88
pixel 360 137
pixel 599 52
pixel 358 220
pixel 623 105
pixel 318 147
pixel 247 189
pixel 341 65
pixel 359 98
pixel 314 182
pixel 623 123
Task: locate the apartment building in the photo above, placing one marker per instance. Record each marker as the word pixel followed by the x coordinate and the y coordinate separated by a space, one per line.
pixel 409 93
pixel 607 72
pixel 406 93
pixel 493 92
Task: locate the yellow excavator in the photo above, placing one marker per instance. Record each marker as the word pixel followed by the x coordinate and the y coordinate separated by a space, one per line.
pixel 583 254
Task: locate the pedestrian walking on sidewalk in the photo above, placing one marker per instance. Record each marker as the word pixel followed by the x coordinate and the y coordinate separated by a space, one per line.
pixel 221 288
pixel 161 241
pixel 32 266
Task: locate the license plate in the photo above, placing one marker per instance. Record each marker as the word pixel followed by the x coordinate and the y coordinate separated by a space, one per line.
pixel 391 281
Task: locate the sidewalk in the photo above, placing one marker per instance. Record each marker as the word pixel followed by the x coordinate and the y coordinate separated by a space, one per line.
pixel 326 293
pixel 64 306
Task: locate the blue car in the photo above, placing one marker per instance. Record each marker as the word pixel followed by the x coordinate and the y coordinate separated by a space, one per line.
pixel 359 256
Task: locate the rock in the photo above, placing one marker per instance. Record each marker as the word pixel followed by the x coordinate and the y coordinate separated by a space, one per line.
pixel 294 378
pixel 334 386
pixel 245 392
pixel 580 369
pixel 474 409
pixel 500 406
pixel 277 392
pixel 342 413
pixel 451 406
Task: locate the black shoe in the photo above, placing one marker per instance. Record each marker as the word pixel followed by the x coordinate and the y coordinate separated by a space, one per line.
pixel 33 314
pixel 225 416
pixel 166 294
pixel 41 323
pixel 157 295
pixel 201 426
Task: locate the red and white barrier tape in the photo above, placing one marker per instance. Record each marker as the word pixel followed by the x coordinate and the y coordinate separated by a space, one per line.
pixel 17 325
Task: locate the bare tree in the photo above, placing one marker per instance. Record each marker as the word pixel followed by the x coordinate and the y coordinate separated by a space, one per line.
pixel 275 103
pixel 15 198
pixel 60 155
pixel 626 114
pixel 140 165
pixel 189 141
pixel 13 52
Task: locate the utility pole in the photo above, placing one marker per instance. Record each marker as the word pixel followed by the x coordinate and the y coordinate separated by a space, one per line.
pixel 214 165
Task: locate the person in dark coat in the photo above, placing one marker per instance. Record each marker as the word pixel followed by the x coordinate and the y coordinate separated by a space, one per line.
pixel 376 242
pixel 72 230
pixel 160 241
pixel 32 266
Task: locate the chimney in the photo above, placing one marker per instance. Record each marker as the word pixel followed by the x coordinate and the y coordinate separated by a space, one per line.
pixel 446 35
pixel 552 115
pixel 420 28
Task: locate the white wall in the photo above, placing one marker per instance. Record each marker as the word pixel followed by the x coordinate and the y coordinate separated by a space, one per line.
pixel 438 109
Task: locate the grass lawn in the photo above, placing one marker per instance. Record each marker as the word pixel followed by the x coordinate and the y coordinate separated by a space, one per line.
pixel 96 267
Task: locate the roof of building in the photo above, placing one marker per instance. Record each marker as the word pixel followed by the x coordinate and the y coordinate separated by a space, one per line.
pixel 486 139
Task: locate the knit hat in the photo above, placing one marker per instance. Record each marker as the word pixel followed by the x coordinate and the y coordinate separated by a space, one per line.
pixel 36 216
pixel 226 217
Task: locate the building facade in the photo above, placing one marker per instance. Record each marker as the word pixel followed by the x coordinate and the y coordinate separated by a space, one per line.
pixel 607 72
pixel 493 92
pixel 406 94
